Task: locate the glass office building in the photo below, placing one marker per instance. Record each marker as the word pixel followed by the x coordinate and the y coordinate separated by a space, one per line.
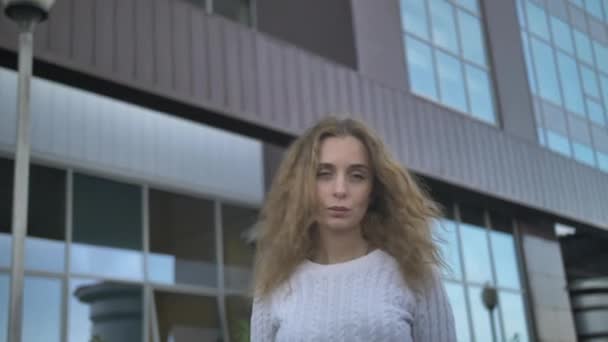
pixel 157 126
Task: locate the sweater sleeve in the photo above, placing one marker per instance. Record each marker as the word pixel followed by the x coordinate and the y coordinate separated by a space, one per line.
pixel 262 327
pixel 434 320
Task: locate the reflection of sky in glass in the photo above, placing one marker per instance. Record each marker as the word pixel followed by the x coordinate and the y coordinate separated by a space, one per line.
pixel 505 259
pixel 472 44
pixel 420 68
pixel 79 324
pixel 480 315
pixel 164 268
pixel 514 317
pixel 445 230
pixel 106 261
pixel 476 254
pixel 5 249
pixel 480 96
pixel 44 254
pixel 4 285
pixel 444 28
pixel 451 85
pixel 457 300
pixel 414 17
pixel 41 310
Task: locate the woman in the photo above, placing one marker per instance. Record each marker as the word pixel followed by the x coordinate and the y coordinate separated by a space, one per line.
pixel 345 251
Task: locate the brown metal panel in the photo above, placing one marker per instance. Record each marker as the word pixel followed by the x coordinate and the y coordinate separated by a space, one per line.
pixel 144 53
pixel 217 55
pixel 249 72
pixel 200 56
pixel 162 45
pixel 233 67
pixel 125 38
pixel 60 26
pixel 293 98
pixel 83 37
pixel 103 54
pixel 264 78
pixel 180 37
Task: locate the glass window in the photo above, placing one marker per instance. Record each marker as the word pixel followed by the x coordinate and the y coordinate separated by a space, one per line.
pixel 238 314
pixel 443 26
pixel 476 253
pixel 558 142
pixel 568 73
pixel 237 10
pixel 602 160
pixel 583 153
pixel 104 311
pixel 420 68
pixel 514 316
pixel 595 111
pixel 520 14
pixel 583 47
pixel 505 259
pixel 472 46
pixel 471 5
pixel 451 85
pixel 107 226
pixel 237 223
pixel 41 310
pixel 456 296
pixel 528 58
pixel 480 95
pixel 537 20
pixel 6 200
pixel 601 56
pixel 45 243
pixel 594 7
pixel 182 240
pixel 447 237
pixel 562 35
pixel 414 18
pixel 544 65
pixel 589 81
pixel 4 305
pixel 604 85
pixel 481 316
pixel 185 318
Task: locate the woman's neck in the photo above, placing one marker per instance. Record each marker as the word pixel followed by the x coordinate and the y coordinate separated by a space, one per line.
pixel 336 247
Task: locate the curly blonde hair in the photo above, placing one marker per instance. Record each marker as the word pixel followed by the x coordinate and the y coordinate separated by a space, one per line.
pixel 398 219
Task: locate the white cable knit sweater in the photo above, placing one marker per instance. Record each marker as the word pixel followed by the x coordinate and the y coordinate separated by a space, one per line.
pixel 364 300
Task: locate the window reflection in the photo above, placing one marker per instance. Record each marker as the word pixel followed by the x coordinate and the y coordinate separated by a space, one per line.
pixel 415 17
pixel 41 309
pixel 472 47
pixel 182 240
pixel 238 314
pixel 185 318
pixel 451 84
pixel 420 68
pixel 514 317
pixel 104 311
pixel 476 254
pixel 237 224
pixel 107 227
pixel 4 305
pixel 443 25
pixel 6 200
pixel 480 96
pixel 445 231
pixel 558 142
pixel 544 64
pixel 537 19
pixel 505 259
pixel 237 10
pixel 455 293
pixel 481 316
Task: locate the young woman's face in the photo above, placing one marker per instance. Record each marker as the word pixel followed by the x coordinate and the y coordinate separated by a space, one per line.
pixel 344 183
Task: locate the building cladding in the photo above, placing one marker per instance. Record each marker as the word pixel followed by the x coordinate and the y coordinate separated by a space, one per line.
pixel 154 118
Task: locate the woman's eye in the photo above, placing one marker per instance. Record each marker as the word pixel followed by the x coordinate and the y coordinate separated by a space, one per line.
pixel 358 176
pixel 323 174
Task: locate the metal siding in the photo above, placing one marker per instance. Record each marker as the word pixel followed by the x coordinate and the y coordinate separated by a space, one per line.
pixel 319 86
pixel 200 57
pixel 83 37
pixel 60 28
pixel 330 77
pixel 125 40
pixel 249 72
pixel 233 68
pixel 305 87
pixel 162 45
pixel 144 41
pixel 181 44
pixel 264 79
pixel 293 94
pixel 103 53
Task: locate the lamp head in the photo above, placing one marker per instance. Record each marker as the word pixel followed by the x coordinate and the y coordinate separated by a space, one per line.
pixel 27 10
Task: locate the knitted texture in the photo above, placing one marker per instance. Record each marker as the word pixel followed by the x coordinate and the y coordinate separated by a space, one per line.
pixel 364 299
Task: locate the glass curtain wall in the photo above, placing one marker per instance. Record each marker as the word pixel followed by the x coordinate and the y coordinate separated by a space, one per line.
pixel 566 52
pixel 480 249
pixel 446 55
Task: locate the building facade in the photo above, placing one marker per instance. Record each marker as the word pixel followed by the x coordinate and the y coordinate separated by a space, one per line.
pixel 157 126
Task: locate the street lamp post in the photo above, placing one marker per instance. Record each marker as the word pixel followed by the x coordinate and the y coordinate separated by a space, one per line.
pixel 26 13
pixel 490 300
